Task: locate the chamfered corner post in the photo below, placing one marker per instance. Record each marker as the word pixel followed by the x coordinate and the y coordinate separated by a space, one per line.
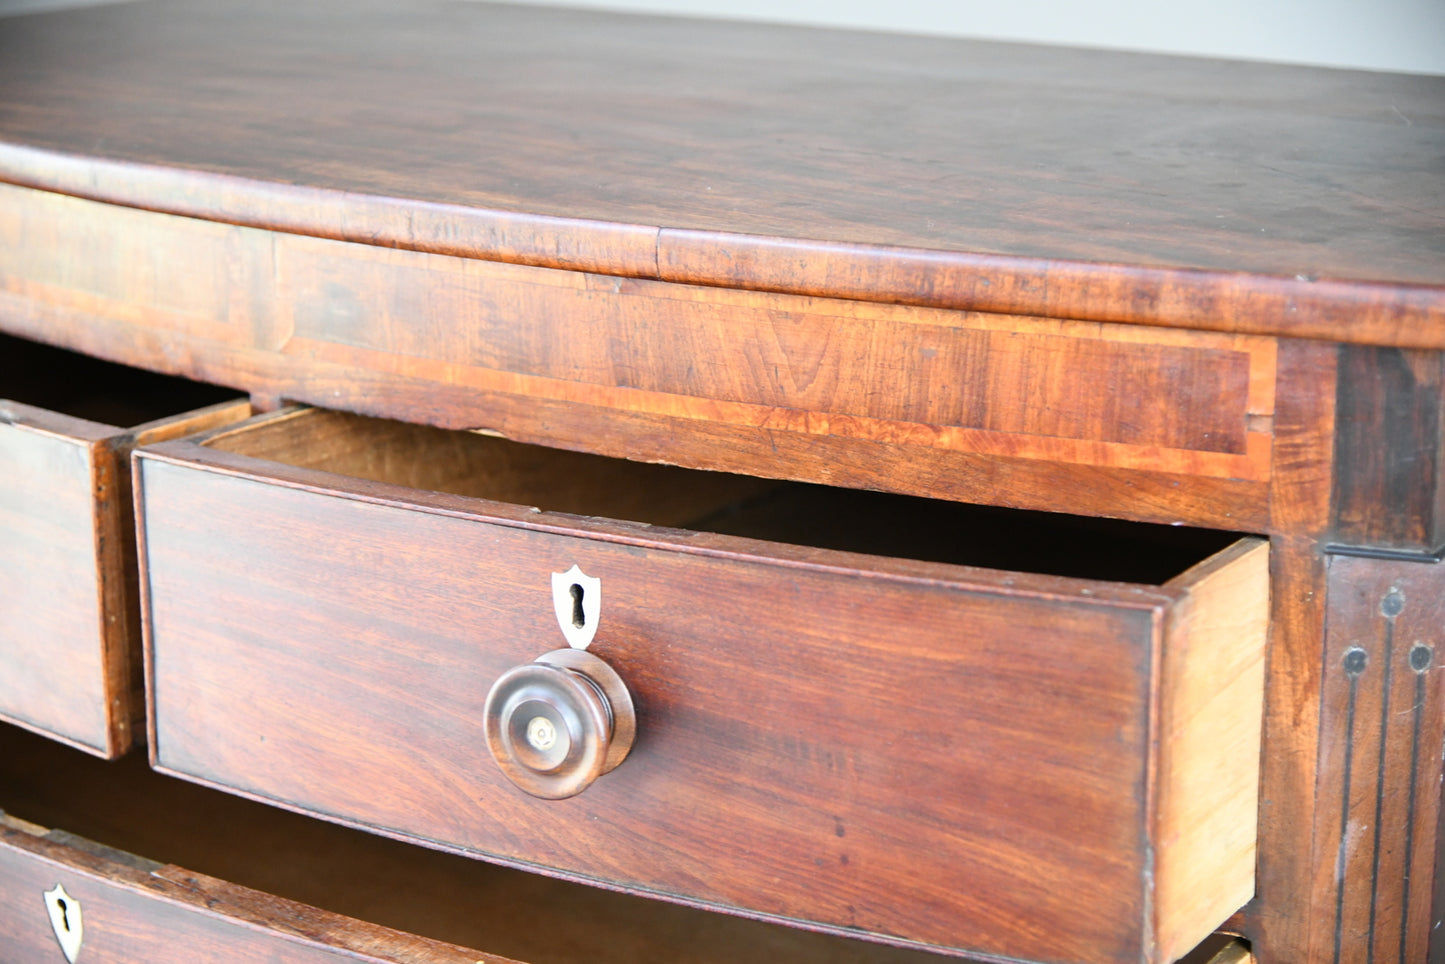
pixel 1354 713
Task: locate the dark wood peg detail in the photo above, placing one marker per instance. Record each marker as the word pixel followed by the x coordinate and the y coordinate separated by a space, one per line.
pixel 557 724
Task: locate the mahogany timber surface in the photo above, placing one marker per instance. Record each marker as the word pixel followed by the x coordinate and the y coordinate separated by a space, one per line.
pixel 301 884
pixel 69 618
pixel 134 913
pixel 1280 920
pixel 1380 767
pixel 950 173
pixel 911 751
pixel 65 665
pixel 1389 475
pixel 1139 422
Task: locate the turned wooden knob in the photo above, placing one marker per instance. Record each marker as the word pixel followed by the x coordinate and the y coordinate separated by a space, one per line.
pixel 559 723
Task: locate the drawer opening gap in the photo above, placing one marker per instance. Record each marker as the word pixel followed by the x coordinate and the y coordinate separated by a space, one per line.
pixel 99 391
pixel 798 513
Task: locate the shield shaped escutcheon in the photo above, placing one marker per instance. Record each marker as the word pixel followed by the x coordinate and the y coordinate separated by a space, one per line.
pixel 577 599
pixel 65 921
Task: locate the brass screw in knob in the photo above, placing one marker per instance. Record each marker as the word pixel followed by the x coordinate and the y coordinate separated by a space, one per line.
pixel 557 724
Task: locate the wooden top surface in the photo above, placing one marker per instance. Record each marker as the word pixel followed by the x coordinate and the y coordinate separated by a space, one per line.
pixel 933 171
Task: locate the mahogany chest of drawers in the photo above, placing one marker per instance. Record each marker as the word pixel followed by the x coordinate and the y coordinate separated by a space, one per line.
pixel 922 497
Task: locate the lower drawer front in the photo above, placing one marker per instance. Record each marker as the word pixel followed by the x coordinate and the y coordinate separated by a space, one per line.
pixel 60 896
pixel 235 881
pixel 69 625
pixel 1045 768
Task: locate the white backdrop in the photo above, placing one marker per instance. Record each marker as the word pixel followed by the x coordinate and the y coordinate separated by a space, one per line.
pixel 1404 35
pixel 1375 34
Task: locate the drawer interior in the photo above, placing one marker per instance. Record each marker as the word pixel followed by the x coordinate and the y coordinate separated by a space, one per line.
pixel 98 391
pixel 123 804
pixel 488 467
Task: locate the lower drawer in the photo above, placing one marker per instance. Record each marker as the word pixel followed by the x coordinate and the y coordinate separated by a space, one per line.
pixel 69 621
pixel 234 881
pixel 65 895
pixel 982 760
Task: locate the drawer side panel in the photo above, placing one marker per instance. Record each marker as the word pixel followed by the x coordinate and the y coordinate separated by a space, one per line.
pixel 1210 717
pixel 53 672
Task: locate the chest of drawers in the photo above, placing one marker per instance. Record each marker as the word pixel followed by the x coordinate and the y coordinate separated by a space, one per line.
pixel 1098 398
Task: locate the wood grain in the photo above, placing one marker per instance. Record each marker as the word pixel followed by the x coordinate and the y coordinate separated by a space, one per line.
pixel 786 359
pixel 69 617
pixel 1380 762
pixel 942 172
pixel 1235 952
pixel 1280 921
pixel 1355 439
pixel 485 467
pixel 137 915
pixel 1390 451
pixel 992 765
pixel 822 193
pixel 1030 412
pixel 305 876
pixel 1207 814
pixel 65 671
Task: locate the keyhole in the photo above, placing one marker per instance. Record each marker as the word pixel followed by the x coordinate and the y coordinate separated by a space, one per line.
pixel 579 618
pixel 64 914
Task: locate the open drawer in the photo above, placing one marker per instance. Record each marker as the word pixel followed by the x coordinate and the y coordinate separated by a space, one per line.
pixel 1015 761
pixel 69 623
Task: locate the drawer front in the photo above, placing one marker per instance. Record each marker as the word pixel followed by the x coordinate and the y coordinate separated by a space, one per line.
pixel 124 910
pixel 969 759
pixel 69 623
pixel 242 881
